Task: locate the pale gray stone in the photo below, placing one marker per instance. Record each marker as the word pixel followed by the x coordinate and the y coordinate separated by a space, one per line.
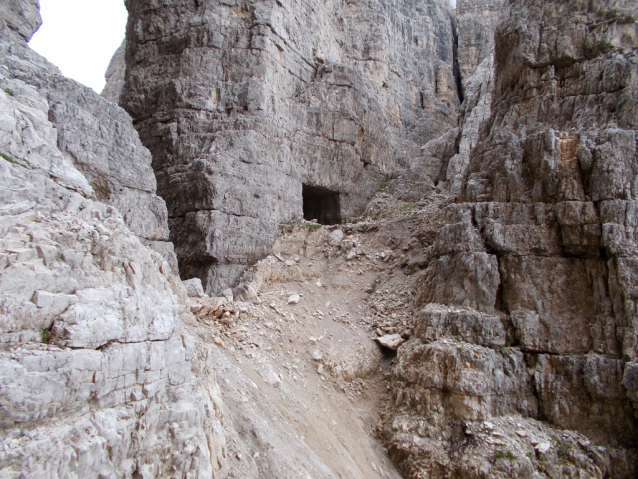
pixel 277 95
pixel 390 341
pixel 93 358
pixel 538 256
pixel 21 16
pixel 194 288
pixel 115 74
pixel 477 20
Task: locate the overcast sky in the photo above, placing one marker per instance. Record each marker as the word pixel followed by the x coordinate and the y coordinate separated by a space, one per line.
pixel 80 37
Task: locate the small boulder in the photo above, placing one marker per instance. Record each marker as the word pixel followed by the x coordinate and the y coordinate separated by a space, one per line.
pixel 543 447
pixel 391 341
pixel 335 237
pixel 194 288
pixel 293 299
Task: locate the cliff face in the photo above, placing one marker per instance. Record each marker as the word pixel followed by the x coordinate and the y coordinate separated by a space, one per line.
pixel 115 75
pixel 477 20
pixel 516 222
pixel 528 308
pixel 257 112
pixel 95 370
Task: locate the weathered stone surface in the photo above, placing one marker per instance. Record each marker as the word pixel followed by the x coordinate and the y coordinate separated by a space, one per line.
pixel 475 111
pixel 21 17
pixel 95 369
pixel 542 237
pixel 194 288
pixel 477 20
pixel 96 137
pixel 390 341
pixel 115 74
pixel 444 161
pixel 243 103
pixel 436 321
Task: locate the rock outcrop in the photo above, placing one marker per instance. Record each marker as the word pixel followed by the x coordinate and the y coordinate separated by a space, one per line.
pixel 477 20
pixel 514 213
pixel 115 75
pixel 261 113
pixel 95 368
pixel 444 161
pixel 528 309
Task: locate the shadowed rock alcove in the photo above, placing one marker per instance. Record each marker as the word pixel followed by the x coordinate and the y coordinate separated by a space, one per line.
pixel 321 204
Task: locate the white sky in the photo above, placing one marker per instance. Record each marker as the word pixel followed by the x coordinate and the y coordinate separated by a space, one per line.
pixel 80 37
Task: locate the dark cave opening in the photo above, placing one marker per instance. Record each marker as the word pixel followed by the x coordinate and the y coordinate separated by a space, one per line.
pixel 321 204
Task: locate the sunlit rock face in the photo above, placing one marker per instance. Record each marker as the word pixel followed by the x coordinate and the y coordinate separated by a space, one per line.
pixel 245 104
pixel 95 369
pixel 528 310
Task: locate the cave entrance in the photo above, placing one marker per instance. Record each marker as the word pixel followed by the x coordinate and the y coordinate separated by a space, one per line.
pixel 321 204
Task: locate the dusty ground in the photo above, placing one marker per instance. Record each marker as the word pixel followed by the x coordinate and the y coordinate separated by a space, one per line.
pixel 312 368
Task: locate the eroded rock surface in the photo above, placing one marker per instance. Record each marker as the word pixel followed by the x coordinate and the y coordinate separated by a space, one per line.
pixel 115 74
pixel 528 310
pixel 477 20
pixel 250 107
pixel 95 369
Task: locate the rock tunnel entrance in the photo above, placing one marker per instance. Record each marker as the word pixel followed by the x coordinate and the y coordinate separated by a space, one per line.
pixel 321 204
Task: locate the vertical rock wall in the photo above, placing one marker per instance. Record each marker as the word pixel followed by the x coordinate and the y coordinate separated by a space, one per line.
pixel 242 103
pixel 477 20
pixel 115 75
pixel 529 308
pixel 95 369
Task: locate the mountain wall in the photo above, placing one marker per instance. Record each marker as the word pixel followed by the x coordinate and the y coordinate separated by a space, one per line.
pixel 95 367
pixel 262 113
pixel 514 212
pixel 477 20
pixel 115 75
pixel 526 313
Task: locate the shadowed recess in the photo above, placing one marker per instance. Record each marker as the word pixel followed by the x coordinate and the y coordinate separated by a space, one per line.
pixel 321 204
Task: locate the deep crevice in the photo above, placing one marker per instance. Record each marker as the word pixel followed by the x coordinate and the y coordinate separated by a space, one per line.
pixel 456 69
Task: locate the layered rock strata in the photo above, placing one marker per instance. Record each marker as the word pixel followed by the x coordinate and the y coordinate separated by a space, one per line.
pixel 95 369
pixel 477 20
pixel 254 109
pixel 528 310
pixel 444 161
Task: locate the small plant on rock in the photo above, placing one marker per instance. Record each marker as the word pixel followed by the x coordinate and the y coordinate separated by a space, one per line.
pixel 385 185
pixel 408 207
pixel 10 160
pixel 500 454
pixel 47 335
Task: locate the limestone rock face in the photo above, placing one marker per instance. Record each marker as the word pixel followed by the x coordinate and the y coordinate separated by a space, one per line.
pixel 95 369
pixel 444 161
pixel 477 20
pixel 257 112
pixel 528 309
pixel 21 17
pixel 115 74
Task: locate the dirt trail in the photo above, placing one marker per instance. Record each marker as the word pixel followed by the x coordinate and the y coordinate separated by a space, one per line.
pixel 299 358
